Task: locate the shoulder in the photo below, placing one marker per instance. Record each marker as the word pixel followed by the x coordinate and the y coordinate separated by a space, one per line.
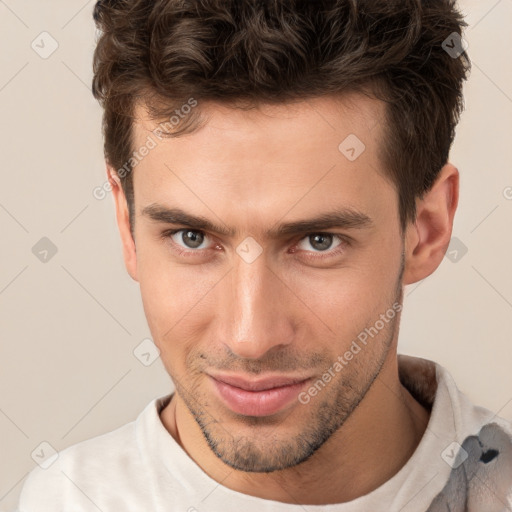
pixel 81 473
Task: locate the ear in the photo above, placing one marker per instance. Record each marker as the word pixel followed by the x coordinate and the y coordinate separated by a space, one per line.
pixel 427 239
pixel 123 223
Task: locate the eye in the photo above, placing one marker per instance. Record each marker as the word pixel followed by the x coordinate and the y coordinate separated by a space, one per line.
pixel 320 242
pixel 188 239
pixel 192 242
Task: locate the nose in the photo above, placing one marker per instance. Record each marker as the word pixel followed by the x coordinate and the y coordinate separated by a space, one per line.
pixel 255 310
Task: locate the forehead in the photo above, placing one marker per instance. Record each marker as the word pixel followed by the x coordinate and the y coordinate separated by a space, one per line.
pixel 321 151
pixel 310 117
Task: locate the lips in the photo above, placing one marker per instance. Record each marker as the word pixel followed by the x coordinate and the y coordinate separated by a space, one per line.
pixel 258 385
pixel 262 397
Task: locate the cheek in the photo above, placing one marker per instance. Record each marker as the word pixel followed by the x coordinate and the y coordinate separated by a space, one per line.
pixel 346 300
pixel 159 286
pixel 176 298
pixel 168 307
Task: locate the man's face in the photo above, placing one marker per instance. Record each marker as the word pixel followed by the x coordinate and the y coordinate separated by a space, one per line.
pixel 240 311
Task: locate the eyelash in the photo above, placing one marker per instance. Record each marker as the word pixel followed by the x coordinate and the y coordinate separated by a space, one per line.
pixel 345 242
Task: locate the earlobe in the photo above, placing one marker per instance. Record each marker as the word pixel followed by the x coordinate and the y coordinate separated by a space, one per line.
pixel 427 239
pixel 123 223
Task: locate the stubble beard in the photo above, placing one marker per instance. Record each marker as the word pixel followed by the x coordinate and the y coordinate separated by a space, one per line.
pixel 320 419
pixel 274 451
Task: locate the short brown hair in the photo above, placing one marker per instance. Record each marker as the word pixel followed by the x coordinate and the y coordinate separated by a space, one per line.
pixel 245 52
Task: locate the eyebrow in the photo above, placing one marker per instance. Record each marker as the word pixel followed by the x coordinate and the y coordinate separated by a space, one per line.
pixel 346 218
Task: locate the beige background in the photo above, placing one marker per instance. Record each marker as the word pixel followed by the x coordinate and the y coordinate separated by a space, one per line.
pixel 69 326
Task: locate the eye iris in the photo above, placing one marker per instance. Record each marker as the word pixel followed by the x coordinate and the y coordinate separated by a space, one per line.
pixel 192 239
pixel 325 241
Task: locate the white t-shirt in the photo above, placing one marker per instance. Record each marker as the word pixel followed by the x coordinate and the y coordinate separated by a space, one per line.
pixel 140 467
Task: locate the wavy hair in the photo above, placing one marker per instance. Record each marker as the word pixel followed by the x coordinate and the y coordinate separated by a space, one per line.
pixel 245 52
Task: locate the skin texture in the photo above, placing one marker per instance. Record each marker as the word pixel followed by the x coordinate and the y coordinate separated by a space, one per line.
pixel 297 306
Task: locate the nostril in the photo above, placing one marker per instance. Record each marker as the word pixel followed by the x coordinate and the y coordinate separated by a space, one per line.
pixel 489 455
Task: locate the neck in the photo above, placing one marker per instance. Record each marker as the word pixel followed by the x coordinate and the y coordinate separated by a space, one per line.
pixel 367 450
